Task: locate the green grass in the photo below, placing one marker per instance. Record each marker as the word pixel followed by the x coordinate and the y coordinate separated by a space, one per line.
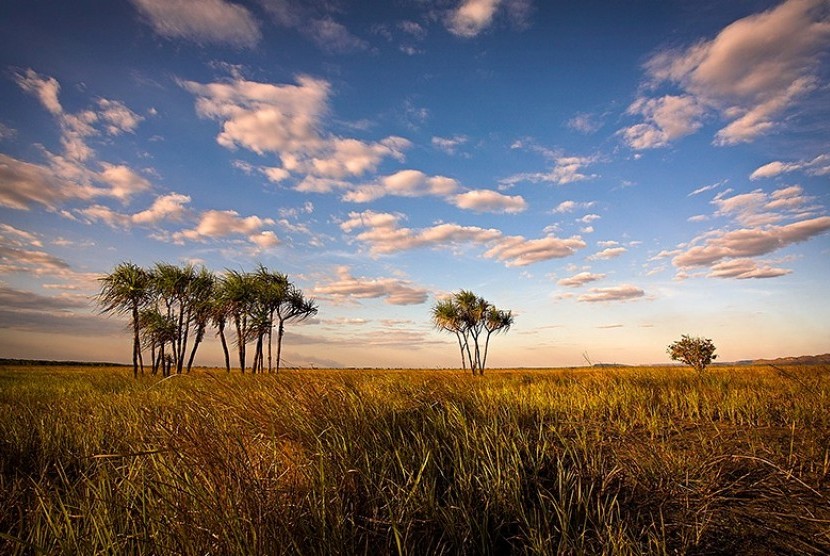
pixel 571 461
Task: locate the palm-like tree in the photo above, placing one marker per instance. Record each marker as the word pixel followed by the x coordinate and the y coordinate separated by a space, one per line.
pixel 239 292
pixel 126 290
pixel 469 317
pixel 295 308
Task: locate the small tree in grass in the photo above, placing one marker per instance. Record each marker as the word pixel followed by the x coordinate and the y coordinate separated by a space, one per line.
pixel 697 352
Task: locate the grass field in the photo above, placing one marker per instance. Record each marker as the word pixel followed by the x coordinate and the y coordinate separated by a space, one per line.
pixel 565 461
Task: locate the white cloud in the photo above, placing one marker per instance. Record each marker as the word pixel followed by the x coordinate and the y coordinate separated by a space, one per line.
pixel 472 17
pixel 566 169
pixel 384 235
pixel 393 290
pixel 165 207
pixel 23 184
pixel 585 123
pixel 449 144
pixel 218 224
pixel 580 279
pixel 332 36
pixel 667 118
pixel 46 89
pixel 608 253
pixel 743 269
pixel 819 166
pixel 519 251
pixel 570 206
pixel 623 292
pixel 485 200
pixel 748 242
pixel 201 21
pixel 751 73
pixel 117 117
pixel 705 188
pixel 287 120
pixel 758 208
pixel 123 182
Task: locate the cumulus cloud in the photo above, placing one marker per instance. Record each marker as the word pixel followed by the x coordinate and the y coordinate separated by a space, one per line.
pixel 757 208
pixel 45 89
pixel 751 73
pixel 123 181
pixel 666 119
pixel 566 169
pixel 449 144
pixel 608 253
pixel 580 279
pixel 743 269
pixel 23 184
pixel 818 166
pixel 393 290
pixel 623 292
pixel 519 251
pixel 471 17
pixel 484 200
pixel 570 206
pixel 384 235
pixel 286 120
pixel 218 224
pixel 201 21
pixel 315 21
pixel 748 242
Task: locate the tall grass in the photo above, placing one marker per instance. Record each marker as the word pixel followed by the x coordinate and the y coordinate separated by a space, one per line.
pixel 578 461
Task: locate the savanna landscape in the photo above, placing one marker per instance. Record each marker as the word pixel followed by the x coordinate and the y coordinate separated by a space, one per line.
pixel 591 460
pixel 414 277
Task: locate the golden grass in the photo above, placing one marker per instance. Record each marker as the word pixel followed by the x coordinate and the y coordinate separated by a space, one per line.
pixel 559 461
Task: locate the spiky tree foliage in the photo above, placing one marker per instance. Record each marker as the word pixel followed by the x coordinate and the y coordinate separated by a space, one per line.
pixel 201 297
pixel 158 331
pixel 126 290
pixel 177 289
pixel 694 351
pixel 239 292
pixel 295 308
pixel 472 319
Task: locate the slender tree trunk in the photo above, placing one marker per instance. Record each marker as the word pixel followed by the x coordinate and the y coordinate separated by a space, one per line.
pixel 225 346
pixel 461 348
pixel 153 357
pixel 136 343
pixel 486 347
pixel 240 340
pixel 200 334
pixel 184 328
pixel 270 342
pixel 280 333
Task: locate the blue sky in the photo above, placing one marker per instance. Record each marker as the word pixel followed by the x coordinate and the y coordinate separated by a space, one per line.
pixel 617 174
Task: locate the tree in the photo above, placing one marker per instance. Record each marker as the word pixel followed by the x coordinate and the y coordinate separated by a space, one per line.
pixel 471 318
pixel 239 292
pixel 696 352
pixel 126 290
pixel 295 308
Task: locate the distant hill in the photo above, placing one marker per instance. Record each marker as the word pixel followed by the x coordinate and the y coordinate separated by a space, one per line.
pixel 823 359
pixel 39 363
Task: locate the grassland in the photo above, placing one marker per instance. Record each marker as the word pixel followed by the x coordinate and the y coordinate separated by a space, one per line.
pixel 567 461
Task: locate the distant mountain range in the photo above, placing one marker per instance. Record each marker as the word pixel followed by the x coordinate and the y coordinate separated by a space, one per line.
pixel 823 359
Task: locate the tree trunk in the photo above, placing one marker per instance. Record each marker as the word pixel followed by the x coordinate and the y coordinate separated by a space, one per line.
pixel 136 343
pixel 225 347
pixel 461 348
pixel 280 332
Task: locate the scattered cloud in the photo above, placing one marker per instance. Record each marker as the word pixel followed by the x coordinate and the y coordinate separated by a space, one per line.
pixel 384 235
pixel 743 269
pixel 485 200
pixel 608 253
pixel 286 120
pixel 449 144
pixel 566 169
pixel 471 17
pixel 818 166
pixel 666 119
pixel 218 224
pixel 623 292
pixel 580 279
pixel 393 290
pixel 201 21
pixel 706 188
pixel 750 74
pixel 315 21
pixel 571 206
pixel 585 123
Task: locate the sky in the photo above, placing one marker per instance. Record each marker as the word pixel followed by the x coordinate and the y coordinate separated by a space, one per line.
pixel 615 173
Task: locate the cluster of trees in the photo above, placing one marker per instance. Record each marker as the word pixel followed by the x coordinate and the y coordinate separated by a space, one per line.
pixel 171 307
pixel 473 320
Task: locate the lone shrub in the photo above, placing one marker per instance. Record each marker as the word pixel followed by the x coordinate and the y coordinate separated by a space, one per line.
pixel 697 352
